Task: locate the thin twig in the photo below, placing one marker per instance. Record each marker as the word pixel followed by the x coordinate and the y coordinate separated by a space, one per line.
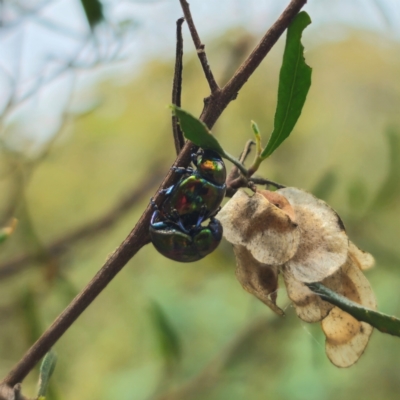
pixel 234 175
pixel 217 104
pixel 139 236
pixel 199 47
pixel 179 139
pixel 267 182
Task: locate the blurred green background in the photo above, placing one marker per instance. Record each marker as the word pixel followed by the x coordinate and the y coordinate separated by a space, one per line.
pixel 188 331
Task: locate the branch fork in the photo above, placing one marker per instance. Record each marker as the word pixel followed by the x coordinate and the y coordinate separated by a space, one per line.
pixel 139 236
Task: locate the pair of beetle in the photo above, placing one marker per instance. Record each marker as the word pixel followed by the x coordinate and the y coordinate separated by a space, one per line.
pixel 176 228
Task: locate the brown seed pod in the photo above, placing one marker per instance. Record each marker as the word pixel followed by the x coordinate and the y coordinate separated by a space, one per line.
pixel 261 280
pixel 323 245
pixel 268 232
pixel 347 338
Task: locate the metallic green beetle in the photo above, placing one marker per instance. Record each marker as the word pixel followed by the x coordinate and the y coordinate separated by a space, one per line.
pixel 175 228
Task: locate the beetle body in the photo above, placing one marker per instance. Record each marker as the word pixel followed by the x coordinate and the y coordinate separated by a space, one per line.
pixel 175 229
pixel 197 195
pixel 194 199
pixel 181 246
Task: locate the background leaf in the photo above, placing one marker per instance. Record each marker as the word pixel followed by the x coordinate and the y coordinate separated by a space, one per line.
pixel 93 11
pixel 357 194
pixel 388 193
pixel 3 235
pixel 325 186
pixel 30 315
pixel 294 83
pixel 168 339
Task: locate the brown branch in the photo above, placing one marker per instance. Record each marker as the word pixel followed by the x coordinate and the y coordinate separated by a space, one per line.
pixel 179 139
pixel 89 230
pixel 229 92
pixel 139 236
pixel 199 47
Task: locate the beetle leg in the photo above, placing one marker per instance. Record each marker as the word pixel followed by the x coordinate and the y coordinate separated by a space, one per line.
pixel 211 216
pixel 154 205
pixel 180 224
pixel 183 170
pixel 194 157
pixel 175 218
pixel 167 191
pixel 161 223
pixel 202 215
pixel 155 214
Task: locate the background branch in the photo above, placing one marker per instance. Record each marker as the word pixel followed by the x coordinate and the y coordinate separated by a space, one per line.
pixel 179 139
pixel 199 47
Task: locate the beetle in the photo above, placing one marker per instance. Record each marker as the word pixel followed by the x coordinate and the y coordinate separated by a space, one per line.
pixel 175 227
pixel 172 242
pixel 199 192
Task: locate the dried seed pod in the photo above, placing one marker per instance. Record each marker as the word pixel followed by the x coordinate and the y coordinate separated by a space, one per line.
pixel 268 232
pixel 347 338
pixel 361 258
pixel 292 231
pixel 309 306
pixel 323 243
pixel 261 280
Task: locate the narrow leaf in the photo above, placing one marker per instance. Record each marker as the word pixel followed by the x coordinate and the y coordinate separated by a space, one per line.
pixel 93 11
pixel 325 186
pixel 357 194
pixel 294 83
pixel 196 131
pixel 46 370
pixel 383 322
pixel 257 135
pixel 31 315
pixel 3 235
pixel 388 193
pixel 168 339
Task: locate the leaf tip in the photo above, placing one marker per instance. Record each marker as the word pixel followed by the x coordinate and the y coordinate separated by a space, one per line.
pixel 255 128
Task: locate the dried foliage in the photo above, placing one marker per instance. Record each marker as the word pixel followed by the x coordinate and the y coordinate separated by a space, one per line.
pixel 292 232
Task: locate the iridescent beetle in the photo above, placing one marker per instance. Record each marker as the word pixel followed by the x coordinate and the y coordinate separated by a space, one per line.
pixel 176 228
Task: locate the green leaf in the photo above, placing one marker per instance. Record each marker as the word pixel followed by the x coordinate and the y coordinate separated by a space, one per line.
pixel 325 186
pixel 294 83
pixel 46 370
pixel 383 322
pixel 388 194
pixel 93 11
pixel 30 315
pixel 3 236
pixel 196 131
pixel 357 194
pixel 168 339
